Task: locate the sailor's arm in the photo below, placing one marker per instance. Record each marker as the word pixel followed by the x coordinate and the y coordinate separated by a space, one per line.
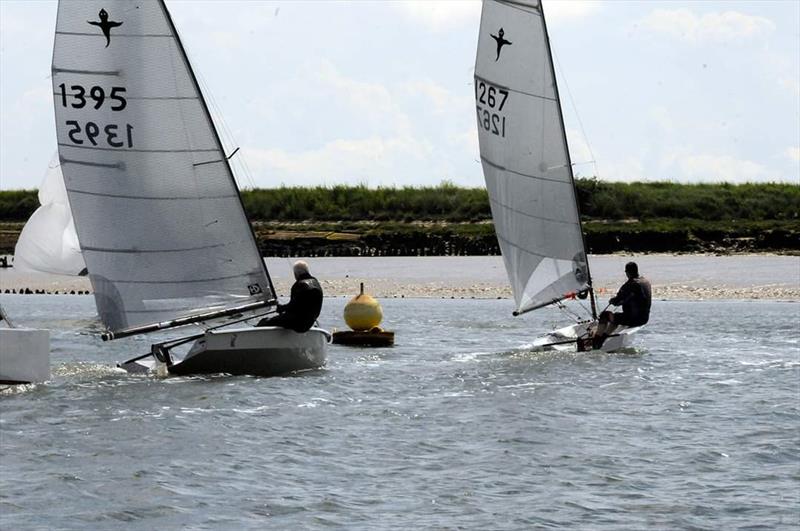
pixel 622 295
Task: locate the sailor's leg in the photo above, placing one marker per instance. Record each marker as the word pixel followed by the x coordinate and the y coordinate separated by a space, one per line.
pixel 606 320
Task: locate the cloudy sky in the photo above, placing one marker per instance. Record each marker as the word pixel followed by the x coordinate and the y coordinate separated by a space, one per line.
pixel 380 92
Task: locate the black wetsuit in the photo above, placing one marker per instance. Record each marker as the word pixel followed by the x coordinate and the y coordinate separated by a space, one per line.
pixel 303 308
pixel 634 296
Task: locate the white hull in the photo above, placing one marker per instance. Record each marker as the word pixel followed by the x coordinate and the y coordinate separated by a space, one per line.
pixel 566 338
pixel 257 351
pixel 24 355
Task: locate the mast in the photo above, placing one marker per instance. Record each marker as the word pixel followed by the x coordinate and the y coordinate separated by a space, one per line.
pixel 224 159
pixel 569 160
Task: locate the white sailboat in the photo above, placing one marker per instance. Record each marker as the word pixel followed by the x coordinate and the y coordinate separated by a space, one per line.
pixel 157 210
pixel 527 168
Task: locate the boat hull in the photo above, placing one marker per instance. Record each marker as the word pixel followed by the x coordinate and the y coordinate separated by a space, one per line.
pixel 24 355
pixel 566 338
pixel 257 351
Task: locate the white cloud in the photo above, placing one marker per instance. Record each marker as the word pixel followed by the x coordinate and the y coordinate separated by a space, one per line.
pixel 791 84
pixel 626 169
pixel 570 9
pixel 373 161
pixel 370 101
pixel 728 26
pixel 718 168
pixel 466 141
pixel 793 153
pixel 443 100
pixel 440 16
pixel 446 15
pixel 385 138
pixel 436 94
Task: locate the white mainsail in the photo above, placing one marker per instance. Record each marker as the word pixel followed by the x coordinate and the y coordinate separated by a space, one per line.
pixel 157 211
pixel 525 158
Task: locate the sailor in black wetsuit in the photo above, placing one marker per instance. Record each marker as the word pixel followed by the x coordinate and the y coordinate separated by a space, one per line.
pixel 634 296
pixel 305 303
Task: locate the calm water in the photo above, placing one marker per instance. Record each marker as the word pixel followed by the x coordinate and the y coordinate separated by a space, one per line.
pixel 457 427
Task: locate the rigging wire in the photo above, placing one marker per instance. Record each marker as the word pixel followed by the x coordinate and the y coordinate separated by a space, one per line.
pixel 567 311
pixel 572 313
pixel 225 132
pixel 577 116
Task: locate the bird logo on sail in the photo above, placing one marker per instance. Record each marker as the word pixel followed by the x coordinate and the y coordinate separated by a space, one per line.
pixel 105 25
pixel 500 42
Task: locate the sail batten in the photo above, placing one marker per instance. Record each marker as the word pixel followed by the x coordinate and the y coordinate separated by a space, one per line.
pixel 520 174
pixel 145 198
pixel 132 150
pixel 164 235
pixel 525 157
pixel 178 281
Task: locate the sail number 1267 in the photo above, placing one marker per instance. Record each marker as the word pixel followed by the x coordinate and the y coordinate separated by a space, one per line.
pixel 490 96
pixel 490 101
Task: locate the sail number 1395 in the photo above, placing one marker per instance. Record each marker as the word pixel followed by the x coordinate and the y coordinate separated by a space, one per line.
pixel 95 98
pixel 490 101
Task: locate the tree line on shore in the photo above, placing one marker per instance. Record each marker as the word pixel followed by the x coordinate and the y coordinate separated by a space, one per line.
pixel 448 219
pixel 448 202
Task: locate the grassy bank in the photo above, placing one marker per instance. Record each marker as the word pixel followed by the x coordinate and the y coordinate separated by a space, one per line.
pixel 446 202
pixel 446 219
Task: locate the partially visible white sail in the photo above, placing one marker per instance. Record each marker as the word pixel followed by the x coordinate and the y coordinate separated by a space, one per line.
pixel 48 242
pixel 524 155
pixel 156 208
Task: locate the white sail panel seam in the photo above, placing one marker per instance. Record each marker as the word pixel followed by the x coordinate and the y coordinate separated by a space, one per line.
pixel 143 98
pixel 113 166
pixel 503 205
pixel 56 70
pixel 521 174
pixel 131 150
pixel 135 250
pixel 516 91
pixel 521 248
pixel 187 281
pixel 178 309
pixel 150 198
pixel 100 35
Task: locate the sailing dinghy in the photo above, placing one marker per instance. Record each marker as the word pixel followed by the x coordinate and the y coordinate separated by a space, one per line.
pixel 528 172
pixel 158 214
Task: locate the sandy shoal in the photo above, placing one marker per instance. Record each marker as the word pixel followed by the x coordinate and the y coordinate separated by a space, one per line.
pixel 416 288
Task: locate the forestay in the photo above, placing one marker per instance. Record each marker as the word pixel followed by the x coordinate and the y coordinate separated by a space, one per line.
pixel 157 211
pixel 524 154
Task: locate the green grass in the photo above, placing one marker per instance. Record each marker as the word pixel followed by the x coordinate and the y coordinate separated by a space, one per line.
pixel 710 202
pixel 17 205
pixel 447 202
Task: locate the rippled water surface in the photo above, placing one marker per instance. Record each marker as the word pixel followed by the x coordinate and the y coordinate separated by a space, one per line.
pixel 459 426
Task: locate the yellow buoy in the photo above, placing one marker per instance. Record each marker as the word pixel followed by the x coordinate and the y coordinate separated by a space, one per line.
pixel 363 312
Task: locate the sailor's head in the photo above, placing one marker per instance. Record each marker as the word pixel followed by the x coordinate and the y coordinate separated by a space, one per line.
pixel 300 269
pixel 500 33
pixel 103 14
pixel 632 270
